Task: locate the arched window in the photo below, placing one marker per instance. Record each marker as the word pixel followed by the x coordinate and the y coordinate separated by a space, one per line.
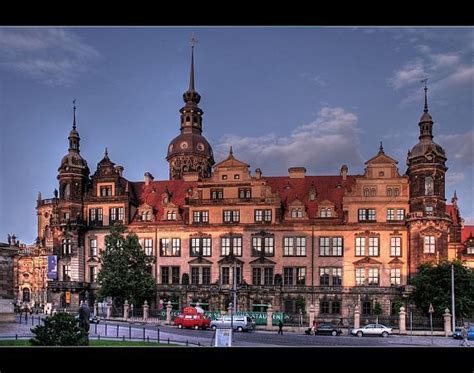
pixel 366 192
pixel 389 192
pixel 26 295
pixel 428 186
pixel 66 246
pixel 373 192
pixel 67 191
pixel 396 192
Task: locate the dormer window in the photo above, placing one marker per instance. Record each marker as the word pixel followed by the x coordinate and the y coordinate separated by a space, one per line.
pixel 236 177
pixel 297 213
pixel 325 213
pixel 171 215
pixel 146 215
pixel 312 196
pixel 224 177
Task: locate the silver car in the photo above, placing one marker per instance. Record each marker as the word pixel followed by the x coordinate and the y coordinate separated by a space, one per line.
pixel 239 323
pixel 372 329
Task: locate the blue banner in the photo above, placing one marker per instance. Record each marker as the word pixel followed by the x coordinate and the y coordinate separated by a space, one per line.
pixel 52 267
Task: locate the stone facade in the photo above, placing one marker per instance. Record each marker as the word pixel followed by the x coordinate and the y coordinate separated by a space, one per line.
pixel 7 252
pixel 340 242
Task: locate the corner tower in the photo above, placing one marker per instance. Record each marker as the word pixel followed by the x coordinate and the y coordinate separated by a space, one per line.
pixel 190 151
pixel 427 221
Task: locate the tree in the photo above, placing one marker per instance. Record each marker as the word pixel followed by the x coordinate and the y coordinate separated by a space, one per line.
pixel 59 330
pixel 126 269
pixel 377 311
pixel 433 285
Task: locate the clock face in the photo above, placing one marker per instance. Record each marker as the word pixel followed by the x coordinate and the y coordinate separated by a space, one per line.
pixel 200 146
pixel 429 157
pixel 184 145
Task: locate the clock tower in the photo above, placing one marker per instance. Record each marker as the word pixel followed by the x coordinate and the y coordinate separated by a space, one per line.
pixel 428 222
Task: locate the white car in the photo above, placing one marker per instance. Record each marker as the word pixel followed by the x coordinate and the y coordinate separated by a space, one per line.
pixel 372 329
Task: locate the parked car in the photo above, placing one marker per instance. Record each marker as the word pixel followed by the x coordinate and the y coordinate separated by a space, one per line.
pixel 372 329
pixel 197 321
pixel 470 333
pixel 457 333
pixel 239 323
pixel 328 329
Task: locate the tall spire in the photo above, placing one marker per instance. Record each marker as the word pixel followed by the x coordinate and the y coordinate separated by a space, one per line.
pixel 191 74
pixel 74 115
pixel 425 81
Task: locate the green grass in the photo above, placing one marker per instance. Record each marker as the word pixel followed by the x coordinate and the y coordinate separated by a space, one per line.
pixel 93 343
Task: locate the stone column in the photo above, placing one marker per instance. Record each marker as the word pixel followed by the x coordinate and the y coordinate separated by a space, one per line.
pixel 312 314
pixel 145 311
pixel 109 311
pixel 125 310
pixel 447 323
pixel 95 309
pixel 269 317
pixel 402 324
pixel 356 317
pixel 169 307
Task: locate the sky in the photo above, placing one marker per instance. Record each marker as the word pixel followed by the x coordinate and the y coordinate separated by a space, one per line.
pixel 317 97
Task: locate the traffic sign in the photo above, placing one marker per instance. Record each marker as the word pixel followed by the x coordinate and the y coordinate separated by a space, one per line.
pixel 431 310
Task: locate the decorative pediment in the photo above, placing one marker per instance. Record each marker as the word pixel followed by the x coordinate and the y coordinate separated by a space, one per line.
pixel 230 260
pixel 396 261
pixel 367 261
pixel 200 260
pixel 381 158
pixel 145 212
pixel 431 231
pixel 262 260
pixel 200 234
pixel 231 162
pixel 367 233
pixel 93 259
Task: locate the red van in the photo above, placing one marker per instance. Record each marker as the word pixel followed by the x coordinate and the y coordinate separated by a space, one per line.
pixel 192 319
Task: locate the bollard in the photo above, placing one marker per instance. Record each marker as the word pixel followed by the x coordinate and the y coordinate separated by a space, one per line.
pixel 199 344
pixel 129 332
pixel 16 336
pixel 123 337
pixel 98 337
pixel 117 331
pixel 143 333
pixel 158 334
pixel 95 328
pixel 186 342
pixel 168 341
pixel 106 330
pixel 148 338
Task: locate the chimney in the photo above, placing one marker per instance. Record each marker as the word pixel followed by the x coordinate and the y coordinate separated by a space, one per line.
pixel 191 176
pixel 297 172
pixel 148 178
pixel 258 173
pixel 344 170
pixel 119 170
pixel 39 196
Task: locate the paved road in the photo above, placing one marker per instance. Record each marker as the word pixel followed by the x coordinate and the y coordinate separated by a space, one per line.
pixel 254 339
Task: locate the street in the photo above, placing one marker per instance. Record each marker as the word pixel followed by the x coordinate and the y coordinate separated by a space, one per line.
pixel 257 338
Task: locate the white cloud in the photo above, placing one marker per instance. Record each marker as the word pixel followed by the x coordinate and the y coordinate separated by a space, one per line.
pixel 459 147
pixel 321 146
pixel 50 56
pixel 454 178
pixel 412 72
pixel 315 79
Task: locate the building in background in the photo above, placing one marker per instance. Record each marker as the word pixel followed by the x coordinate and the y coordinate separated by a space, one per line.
pixel 7 252
pixel 334 241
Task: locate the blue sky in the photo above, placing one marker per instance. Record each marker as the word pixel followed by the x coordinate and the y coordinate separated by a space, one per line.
pixel 316 97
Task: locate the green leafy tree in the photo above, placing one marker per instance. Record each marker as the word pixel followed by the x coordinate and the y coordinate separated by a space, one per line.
pixel 433 285
pixel 59 330
pixel 126 270
pixel 377 311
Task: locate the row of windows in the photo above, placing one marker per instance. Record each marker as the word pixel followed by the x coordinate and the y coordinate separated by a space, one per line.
pixel 264 246
pixel 115 213
pixel 390 192
pixel 370 214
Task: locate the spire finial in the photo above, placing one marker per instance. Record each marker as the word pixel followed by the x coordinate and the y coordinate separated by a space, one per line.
pixel 106 153
pixel 381 147
pixel 425 82
pixel 193 42
pixel 231 152
pixel 74 115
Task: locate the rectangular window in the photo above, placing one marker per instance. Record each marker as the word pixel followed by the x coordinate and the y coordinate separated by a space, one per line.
pixel 201 216
pixel 360 276
pixel 268 278
pixel 148 246
pixel 470 250
pixel 113 214
pixel 390 214
pixel 324 248
pixel 400 214
pixel 268 246
pixel 66 246
pixel 225 246
pixel 367 307
pixel 429 244
pixel 206 275
pixel 373 246
pixel 237 246
pixel 225 273
pixel 262 243
pixel 395 246
pixel 258 216
pixel 175 275
pixel 288 246
pixel 267 216
pixel 360 246
pixel 324 307
pixel 245 193
pixel 294 246
pixel 373 276
pixel 92 274
pixel 165 275
pixel 371 214
pixel 335 307
pixel 337 246
pixel 324 276
pixel 176 247
pixel 367 215
pixel 256 246
pixel 231 216
pixel 105 191
pixel 66 272
pixel 301 276
pixel 201 245
pixel 256 276
pixel 336 276
pixel 95 214
pixel 195 275
pixel 395 276
pixel 217 194
pixel 93 247
pixel 288 276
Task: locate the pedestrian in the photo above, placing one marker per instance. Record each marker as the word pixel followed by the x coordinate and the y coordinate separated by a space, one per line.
pixel 464 333
pixel 280 327
pixel 315 326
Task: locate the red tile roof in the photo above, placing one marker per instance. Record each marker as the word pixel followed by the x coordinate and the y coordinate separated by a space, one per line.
pixel 451 211
pixel 467 231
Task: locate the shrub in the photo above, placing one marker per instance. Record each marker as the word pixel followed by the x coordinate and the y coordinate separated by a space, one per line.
pixel 59 330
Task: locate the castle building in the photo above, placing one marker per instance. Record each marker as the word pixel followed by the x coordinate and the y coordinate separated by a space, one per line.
pixel 333 241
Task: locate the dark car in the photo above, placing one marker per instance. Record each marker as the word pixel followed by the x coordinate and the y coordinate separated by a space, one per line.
pixel 328 329
pixel 92 319
pixel 457 333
